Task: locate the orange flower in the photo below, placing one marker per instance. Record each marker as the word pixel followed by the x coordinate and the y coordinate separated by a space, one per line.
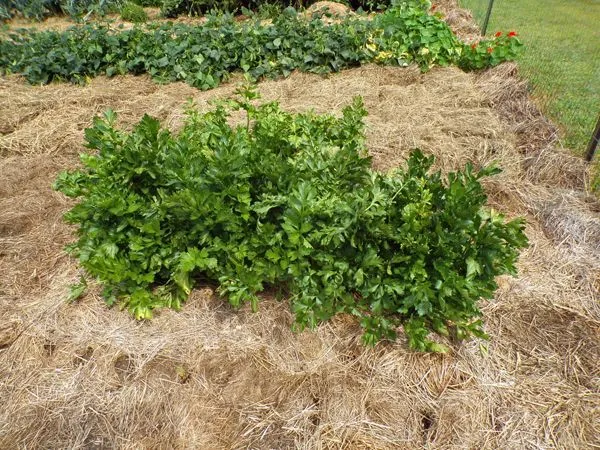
pixel 512 34
pixel 490 49
pixel 498 34
pixel 473 46
pixel 433 7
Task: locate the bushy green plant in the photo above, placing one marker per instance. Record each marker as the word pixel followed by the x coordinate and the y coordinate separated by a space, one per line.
pixel 286 201
pixel 410 34
pixel 5 13
pixel 204 55
pixel 269 10
pixel 34 9
pixel 133 13
pixel 490 52
pixel 174 8
pixel 85 8
pixel 374 5
pixel 40 9
pixel 149 3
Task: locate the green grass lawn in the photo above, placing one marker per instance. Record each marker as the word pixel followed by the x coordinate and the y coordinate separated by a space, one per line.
pixel 561 57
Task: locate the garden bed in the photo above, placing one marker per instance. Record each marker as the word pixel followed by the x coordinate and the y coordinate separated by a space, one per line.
pixel 82 375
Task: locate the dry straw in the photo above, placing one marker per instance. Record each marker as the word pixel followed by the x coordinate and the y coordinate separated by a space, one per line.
pixel 85 376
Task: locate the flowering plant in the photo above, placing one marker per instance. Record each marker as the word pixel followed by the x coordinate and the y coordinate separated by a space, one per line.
pixel 490 52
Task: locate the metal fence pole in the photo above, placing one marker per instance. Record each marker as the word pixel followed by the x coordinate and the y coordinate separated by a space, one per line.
pixel 589 154
pixel 487 18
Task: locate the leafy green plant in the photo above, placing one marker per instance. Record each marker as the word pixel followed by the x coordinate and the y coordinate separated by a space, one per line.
pixel 269 10
pixel 374 5
pixel 76 290
pixel 173 8
pixel 490 52
pixel 34 9
pixel 133 13
pixel 415 37
pixel 205 55
pixel 288 201
pixel 149 3
pixel 5 13
pixel 83 9
pixel 40 9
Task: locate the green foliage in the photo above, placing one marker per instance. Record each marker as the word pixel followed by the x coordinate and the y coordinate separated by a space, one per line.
pixel 5 13
pixel 76 290
pixel 205 55
pixel 133 13
pixel 40 9
pixel 31 9
pixel 490 52
pixel 417 37
pixel 174 8
pixel 149 3
pixel 85 8
pixel 268 10
pixel 286 200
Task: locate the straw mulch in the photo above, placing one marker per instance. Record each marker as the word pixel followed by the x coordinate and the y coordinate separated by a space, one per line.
pixel 85 376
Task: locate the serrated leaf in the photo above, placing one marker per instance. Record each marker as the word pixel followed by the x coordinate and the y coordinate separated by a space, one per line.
pixel 359 277
pixel 473 267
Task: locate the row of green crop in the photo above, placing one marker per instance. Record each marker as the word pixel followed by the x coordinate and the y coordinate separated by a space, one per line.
pixel 39 9
pixel 205 55
pixel 172 8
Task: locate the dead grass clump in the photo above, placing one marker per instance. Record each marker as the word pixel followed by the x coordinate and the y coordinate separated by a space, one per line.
pixel 550 167
pixel 460 20
pixel 85 376
pixel 329 12
pixel 572 222
pixel 510 96
pixel 333 8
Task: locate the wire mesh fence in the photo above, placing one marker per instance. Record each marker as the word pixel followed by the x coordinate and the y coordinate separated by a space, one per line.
pixel 561 58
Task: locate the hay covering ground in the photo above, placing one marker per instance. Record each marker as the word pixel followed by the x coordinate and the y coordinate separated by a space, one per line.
pixel 85 376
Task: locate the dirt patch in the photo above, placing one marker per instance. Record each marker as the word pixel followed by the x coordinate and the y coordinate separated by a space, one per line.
pixel 85 376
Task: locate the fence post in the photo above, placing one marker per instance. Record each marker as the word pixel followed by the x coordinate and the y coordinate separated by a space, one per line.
pixel 487 17
pixel 589 154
